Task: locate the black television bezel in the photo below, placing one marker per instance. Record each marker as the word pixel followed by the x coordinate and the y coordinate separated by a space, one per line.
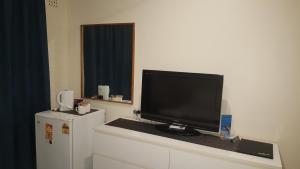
pixel 168 120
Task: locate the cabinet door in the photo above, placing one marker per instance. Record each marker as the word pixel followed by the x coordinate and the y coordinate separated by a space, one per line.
pixel 131 151
pixel 101 162
pixel 180 160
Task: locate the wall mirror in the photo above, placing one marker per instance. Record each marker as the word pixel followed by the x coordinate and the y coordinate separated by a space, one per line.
pixel 107 55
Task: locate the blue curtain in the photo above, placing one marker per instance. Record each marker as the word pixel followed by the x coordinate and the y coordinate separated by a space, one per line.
pixel 108 58
pixel 24 79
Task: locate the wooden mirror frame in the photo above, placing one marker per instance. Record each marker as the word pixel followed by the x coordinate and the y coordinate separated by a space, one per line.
pixel 132 64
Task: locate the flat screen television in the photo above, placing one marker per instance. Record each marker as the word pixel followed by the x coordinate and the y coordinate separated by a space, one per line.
pixel 188 99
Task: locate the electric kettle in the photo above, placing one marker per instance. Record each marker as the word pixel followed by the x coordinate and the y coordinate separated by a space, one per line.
pixel 65 100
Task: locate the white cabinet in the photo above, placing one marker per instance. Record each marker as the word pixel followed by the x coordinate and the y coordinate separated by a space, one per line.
pixel 117 148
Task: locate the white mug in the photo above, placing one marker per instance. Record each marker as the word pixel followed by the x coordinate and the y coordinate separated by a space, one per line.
pixel 81 109
pixel 87 108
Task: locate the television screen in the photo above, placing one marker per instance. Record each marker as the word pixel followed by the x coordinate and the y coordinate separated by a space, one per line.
pixel 191 99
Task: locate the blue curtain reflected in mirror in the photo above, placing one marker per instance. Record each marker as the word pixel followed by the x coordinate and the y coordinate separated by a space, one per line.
pixel 107 60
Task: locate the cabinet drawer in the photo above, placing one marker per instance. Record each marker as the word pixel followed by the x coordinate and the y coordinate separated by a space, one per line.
pixel 180 159
pixel 142 154
pixel 100 162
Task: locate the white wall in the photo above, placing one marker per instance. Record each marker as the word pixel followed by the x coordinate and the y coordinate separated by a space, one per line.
pixel 254 43
pixel 57 30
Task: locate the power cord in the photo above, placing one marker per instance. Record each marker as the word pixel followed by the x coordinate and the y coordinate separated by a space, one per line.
pixel 137 114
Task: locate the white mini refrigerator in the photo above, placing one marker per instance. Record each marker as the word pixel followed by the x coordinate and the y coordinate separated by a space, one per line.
pixel 65 141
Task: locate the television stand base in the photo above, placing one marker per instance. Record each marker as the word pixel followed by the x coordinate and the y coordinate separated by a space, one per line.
pixel 177 129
